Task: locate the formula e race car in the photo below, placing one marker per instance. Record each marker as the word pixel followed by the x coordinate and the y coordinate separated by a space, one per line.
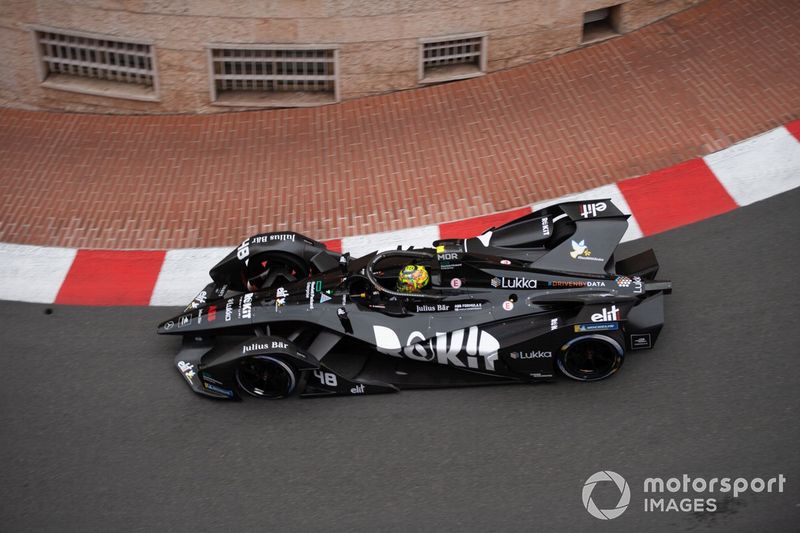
pixel 539 296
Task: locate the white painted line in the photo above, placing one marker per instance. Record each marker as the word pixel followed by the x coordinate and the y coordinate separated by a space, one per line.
pixel 758 168
pixel 606 191
pixel 184 273
pixel 418 237
pixel 33 273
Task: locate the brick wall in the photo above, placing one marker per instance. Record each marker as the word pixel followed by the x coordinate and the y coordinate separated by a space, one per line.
pixel 377 39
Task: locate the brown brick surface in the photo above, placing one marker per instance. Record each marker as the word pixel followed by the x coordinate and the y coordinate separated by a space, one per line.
pixel 686 86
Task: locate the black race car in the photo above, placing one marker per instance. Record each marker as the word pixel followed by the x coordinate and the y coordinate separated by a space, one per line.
pixel 538 296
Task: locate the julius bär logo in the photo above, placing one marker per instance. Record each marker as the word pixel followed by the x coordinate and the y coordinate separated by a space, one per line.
pixel 621 485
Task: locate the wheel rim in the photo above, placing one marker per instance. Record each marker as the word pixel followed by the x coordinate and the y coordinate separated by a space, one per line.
pixel 266 377
pixel 590 358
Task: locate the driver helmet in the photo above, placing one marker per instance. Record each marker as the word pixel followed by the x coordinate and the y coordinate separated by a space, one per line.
pixel 412 278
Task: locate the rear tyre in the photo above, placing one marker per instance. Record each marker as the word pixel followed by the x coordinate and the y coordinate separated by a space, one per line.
pixel 266 377
pixel 590 358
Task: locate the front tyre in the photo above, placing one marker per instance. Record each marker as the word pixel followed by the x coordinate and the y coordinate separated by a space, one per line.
pixel 266 377
pixel 590 358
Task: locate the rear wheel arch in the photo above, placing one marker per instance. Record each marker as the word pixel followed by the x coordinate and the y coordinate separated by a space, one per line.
pixel 590 357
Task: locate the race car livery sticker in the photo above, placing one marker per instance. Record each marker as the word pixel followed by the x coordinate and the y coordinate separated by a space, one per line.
pixel 536 354
pixel 280 297
pixel 513 283
pixel 435 308
pixel 187 369
pixel 272 237
pixel 247 305
pixel 448 260
pixel 263 346
pixel 199 300
pixel 580 250
pixel 624 281
pixel 641 341
pixel 312 287
pixel 468 306
pixel 218 390
pixel 443 308
pixel 568 284
pixel 445 348
pixel 606 315
pixel 545 226
pixel 599 326
pixel 591 210
pixel 638 286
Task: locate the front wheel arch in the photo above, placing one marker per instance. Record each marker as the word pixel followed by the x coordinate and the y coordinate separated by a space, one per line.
pixel 267 377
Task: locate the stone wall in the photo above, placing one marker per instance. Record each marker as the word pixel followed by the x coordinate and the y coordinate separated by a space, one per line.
pixel 377 39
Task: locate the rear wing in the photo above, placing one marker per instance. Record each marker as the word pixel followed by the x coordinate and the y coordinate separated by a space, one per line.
pixel 585 237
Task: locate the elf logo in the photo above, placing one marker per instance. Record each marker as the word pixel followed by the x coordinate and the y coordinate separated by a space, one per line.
pixel 591 210
pixel 606 315
pixel 444 348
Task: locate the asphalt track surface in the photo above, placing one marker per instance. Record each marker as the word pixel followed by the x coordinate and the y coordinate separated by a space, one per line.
pixel 98 432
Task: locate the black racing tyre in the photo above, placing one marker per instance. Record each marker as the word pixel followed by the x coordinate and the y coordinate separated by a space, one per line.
pixel 273 269
pixel 267 377
pixel 590 358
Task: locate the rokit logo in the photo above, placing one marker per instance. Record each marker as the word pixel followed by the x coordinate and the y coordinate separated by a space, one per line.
pixel 591 210
pixel 545 227
pixel 247 305
pixel 445 348
pixel 607 315
pixel 513 283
